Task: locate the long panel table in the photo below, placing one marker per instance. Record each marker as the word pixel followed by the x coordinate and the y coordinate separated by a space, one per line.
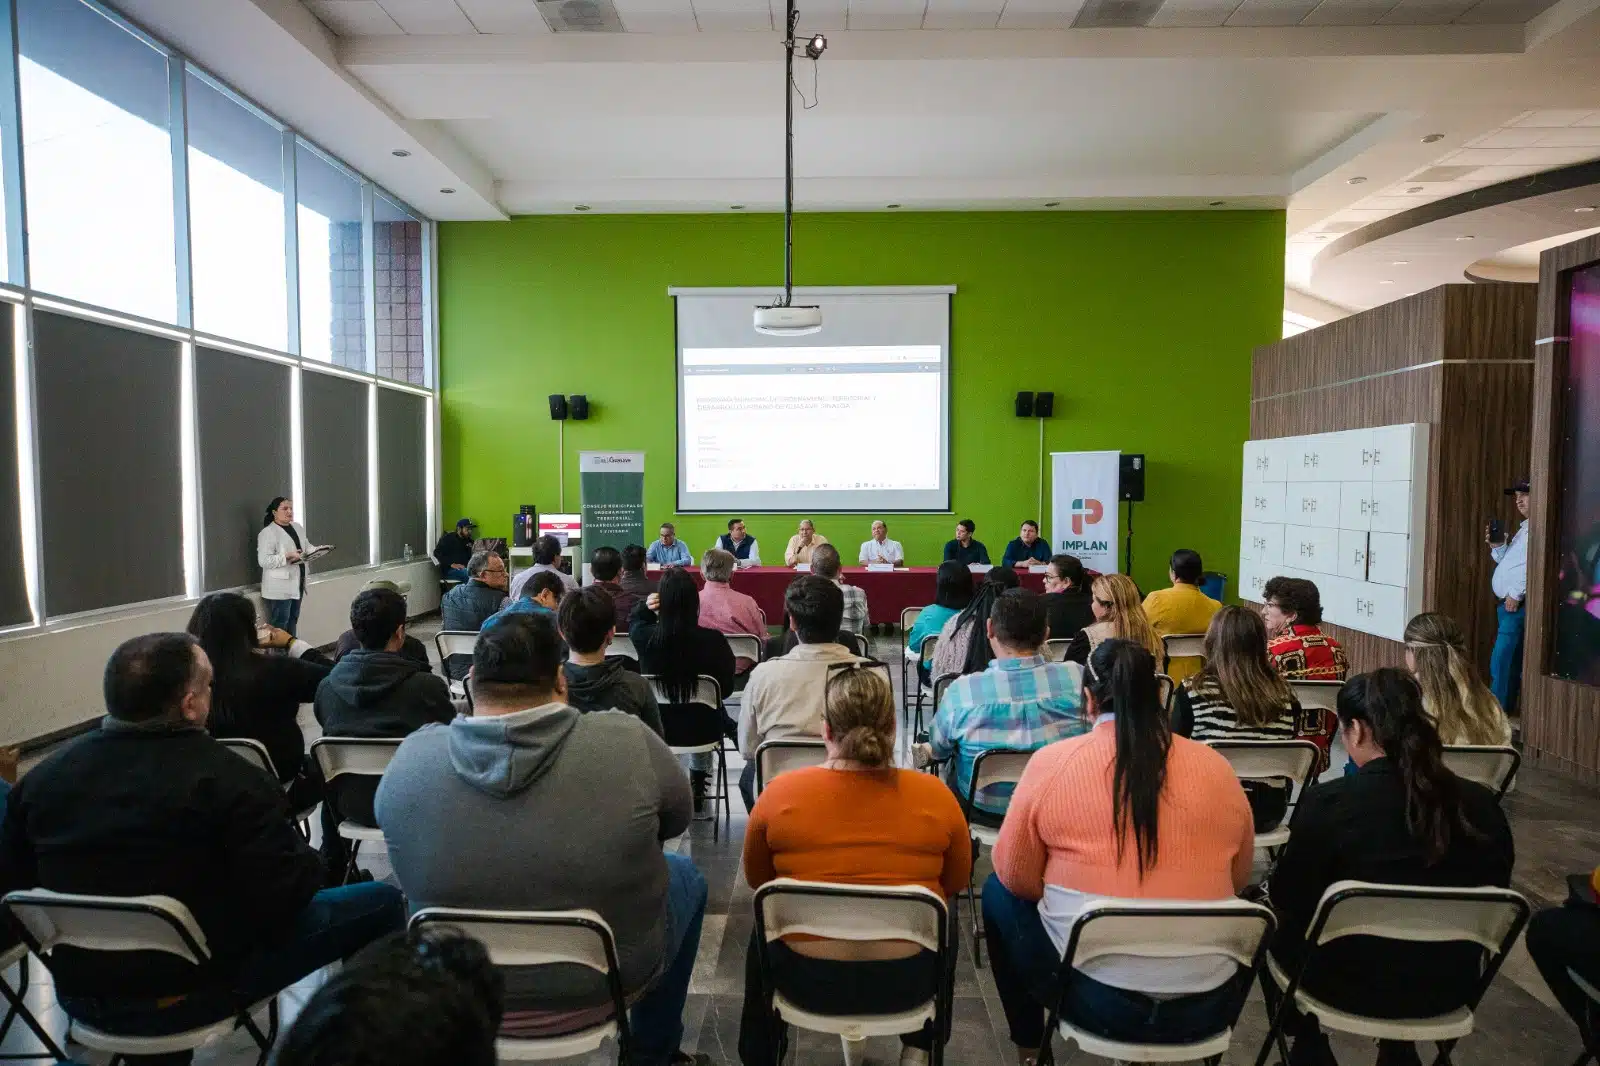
pixel 888 592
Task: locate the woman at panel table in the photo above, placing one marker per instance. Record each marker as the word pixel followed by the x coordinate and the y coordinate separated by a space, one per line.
pixel 281 547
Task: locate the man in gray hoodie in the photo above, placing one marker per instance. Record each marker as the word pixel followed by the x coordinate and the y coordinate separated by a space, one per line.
pixel 594 682
pixel 532 805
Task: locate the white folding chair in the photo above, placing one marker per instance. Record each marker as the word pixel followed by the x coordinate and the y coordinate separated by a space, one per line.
pixel 700 733
pixel 1166 688
pixel 1185 645
pixel 941 685
pixel 1273 761
pixel 1055 649
pixel 47 920
pixel 774 757
pixel 744 646
pixel 1323 695
pixel 547 938
pixel 924 662
pixel 908 619
pixel 1491 918
pixel 255 753
pixel 1492 766
pixel 361 756
pixel 18 955
pixel 858 913
pixel 622 644
pixel 1162 929
pixel 454 642
pixel 996 766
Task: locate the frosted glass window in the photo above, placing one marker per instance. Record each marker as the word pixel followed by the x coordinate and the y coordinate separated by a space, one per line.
pixel 333 324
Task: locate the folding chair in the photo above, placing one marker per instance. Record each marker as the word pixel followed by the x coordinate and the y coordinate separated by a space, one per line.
pixel 1055 649
pixel 255 753
pixel 1491 918
pixel 924 662
pixel 47 920
pixel 1185 645
pixel 362 756
pixel 622 645
pixel 695 728
pixel 774 757
pixel 547 938
pixel 1272 761
pixel 996 766
pixel 858 913
pixel 1318 695
pixel 1162 929
pixel 450 642
pixel 1591 1048
pixel 941 684
pixel 16 1007
pixel 1493 767
pixel 1166 688
pixel 908 619
pixel 746 647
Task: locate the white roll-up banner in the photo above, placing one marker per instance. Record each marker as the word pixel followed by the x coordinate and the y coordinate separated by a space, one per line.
pixel 1083 519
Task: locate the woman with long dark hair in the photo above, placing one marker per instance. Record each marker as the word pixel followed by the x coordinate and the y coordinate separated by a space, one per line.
pixel 1127 811
pixel 952 592
pixel 963 642
pixel 1402 818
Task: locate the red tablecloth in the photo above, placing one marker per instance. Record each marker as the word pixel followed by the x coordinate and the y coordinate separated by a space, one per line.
pixel 888 593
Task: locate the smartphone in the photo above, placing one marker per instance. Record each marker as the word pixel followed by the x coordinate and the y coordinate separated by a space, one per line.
pixel 1497 533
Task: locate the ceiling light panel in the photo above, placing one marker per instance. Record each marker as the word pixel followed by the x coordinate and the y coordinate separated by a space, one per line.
pixel 1113 14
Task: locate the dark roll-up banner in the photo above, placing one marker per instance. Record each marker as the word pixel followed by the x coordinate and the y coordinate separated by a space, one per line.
pixel 612 487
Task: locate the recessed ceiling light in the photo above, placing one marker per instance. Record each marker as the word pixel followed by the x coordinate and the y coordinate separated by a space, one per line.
pixel 1385 281
pixel 1583 210
pixel 1415 189
pixel 736 207
pixel 1465 237
pixel 399 153
pixel 1401 262
pixel 1216 203
pixel 893 207
pixel 1357 180
pixel 1057 203
pixel 580 207
pixel 1430 138
pixel 447 192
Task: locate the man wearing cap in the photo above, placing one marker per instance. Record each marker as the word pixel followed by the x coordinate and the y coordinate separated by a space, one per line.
pixel 1510 584
pixel 455 549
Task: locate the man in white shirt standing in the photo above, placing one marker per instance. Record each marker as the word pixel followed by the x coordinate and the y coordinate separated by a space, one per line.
pixel 880 549
pixel 1510 583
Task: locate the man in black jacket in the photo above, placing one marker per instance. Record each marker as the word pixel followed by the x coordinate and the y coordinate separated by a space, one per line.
pixel 149 804
pixel 594 682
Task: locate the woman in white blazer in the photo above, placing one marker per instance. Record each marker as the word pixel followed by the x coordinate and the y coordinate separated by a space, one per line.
pixel 280 547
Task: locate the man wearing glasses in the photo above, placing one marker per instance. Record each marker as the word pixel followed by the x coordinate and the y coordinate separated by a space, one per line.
pixel 466 607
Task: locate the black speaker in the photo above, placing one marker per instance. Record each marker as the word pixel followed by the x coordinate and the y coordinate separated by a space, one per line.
pixel 1132 479
pixel 1024 405
pixel 580 407
pixel 558 407
pixel 1044 404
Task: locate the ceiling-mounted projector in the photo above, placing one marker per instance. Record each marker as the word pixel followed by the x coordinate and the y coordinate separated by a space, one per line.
pixel 782 320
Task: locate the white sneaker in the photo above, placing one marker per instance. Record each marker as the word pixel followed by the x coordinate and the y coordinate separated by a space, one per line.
pixel 914 1056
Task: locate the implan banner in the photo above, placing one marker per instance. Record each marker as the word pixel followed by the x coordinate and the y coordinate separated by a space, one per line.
pixel 1083 519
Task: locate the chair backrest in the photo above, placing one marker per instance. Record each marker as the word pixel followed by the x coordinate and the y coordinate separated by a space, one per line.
pixel 774 757
pixel 851 912
pixel 1185 645
pixel 1320 695
pixel 622 644
pixel 940 684
pixel 908 618
pixel 996 766
pixel 1055 649
pixel 925 651
pixel 1166 688
pixel 706 692
pixel 107 923
pixel 532 938
pixel 454 642
pixel 1170 929
pixel 251 751
pixel 1489 917
pixel 366 756
pixel 1271 760
pixel 744 646
pixel 1491 766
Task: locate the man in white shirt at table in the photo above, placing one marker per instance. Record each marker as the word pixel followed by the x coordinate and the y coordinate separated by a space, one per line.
pixel 1510 584
pixel 880 549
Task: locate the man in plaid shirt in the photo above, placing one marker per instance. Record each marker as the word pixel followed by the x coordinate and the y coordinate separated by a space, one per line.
pixel 1020 701
pixel 825 562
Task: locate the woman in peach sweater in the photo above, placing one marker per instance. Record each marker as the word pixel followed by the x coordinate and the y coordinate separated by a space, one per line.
pixel 857 820
pixel 1125 811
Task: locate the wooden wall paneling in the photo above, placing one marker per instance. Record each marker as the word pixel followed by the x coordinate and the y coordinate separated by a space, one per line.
pixel 1401 334
pixel 1394 398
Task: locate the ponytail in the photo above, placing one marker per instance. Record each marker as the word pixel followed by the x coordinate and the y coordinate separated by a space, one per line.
pixel 1122 677
pixel 858 705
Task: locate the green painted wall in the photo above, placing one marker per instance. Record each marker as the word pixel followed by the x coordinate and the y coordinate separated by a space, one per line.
pixel 1141 323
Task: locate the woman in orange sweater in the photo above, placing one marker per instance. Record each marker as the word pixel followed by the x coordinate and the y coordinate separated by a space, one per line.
pixel 1125 811
pixel 856 820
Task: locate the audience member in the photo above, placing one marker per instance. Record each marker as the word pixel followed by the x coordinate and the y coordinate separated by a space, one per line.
pixel 1239 696
pixel 668 550
pixel 1027 547
pixel 825 562
pixel 1565 941
pixel 1019 701
pixel 594 682
pixel 952 591
pixel 605 567
pixel 1118 614
pixel 963 647
pixel 466 607
pixel 880 549
pixel 635 577
pixel 257 693
pixel 148 804
pixel 1402 818
pixel 1459 704
pixel 413 648
pixel 546 560
pixel 1183 608
pixel 1067 598
pixel 430 998
pixel 1300 651
pixel 1510 585
pixel 454 550
pixel 530 805
pixel 963 549
pixel 724 609
pixel 786 695
pixel 805 541
pixel 855 819
pixel 736 543
pixel 375 691
pixel 541 594
pixel 1126 811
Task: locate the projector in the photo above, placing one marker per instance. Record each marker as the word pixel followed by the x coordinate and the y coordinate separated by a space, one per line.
pixel 788 321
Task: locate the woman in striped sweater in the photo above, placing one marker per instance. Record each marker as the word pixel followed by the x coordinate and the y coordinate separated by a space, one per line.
pixel 1125 811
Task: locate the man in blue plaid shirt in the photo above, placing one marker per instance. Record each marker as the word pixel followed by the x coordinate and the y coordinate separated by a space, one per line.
pixel 1020 702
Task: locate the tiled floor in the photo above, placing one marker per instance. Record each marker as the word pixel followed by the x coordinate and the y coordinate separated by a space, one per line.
pixel 1518 1023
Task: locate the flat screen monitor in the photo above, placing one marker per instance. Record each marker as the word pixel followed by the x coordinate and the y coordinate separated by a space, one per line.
pixel 567 528
pixel 1577 607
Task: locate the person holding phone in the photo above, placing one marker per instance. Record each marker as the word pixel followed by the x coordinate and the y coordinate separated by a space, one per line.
pixel 1510 584
pixel 281 548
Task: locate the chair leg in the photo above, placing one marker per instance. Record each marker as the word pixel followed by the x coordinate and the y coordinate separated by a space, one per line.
pixel 977 910
pixel 350 865
pixel 16 1008
pixel 1443 1057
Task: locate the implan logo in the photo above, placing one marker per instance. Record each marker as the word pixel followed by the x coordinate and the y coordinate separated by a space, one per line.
pixel 1086 513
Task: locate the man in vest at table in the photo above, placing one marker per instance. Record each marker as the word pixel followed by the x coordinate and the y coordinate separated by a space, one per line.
pixel 738 544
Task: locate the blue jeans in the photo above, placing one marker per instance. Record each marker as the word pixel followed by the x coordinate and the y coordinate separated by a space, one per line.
pixel 1026 974
pixel 657 1017
pixel 1505 662
pixel 336 924
pixel 285 614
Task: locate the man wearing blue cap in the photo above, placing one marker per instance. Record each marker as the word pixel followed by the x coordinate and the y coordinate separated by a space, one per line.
pixel 454 550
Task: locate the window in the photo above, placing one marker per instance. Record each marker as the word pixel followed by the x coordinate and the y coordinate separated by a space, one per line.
pixel 402 473
pixel 14 606
pixel 98 160
pixel 397 268
pixel 236 220
pixel 243 437
pixel 333 321
pixel 334 414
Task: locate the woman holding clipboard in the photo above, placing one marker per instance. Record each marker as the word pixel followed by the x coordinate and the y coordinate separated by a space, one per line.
pixel 283 551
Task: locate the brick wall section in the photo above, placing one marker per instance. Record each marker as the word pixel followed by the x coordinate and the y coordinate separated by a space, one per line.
pixel 348 333
pixel 397 261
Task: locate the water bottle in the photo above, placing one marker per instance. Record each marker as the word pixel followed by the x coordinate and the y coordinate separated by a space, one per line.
pixel 408 553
